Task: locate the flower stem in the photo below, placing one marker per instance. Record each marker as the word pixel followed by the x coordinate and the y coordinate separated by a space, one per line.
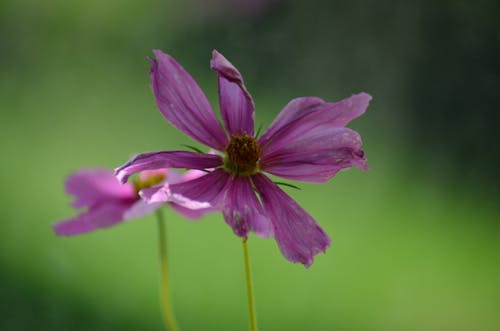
pixel 168 313
pixel 251 299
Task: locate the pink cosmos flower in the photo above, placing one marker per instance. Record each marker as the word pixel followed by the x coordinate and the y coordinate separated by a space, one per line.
pixel 308 141
pixel 109 202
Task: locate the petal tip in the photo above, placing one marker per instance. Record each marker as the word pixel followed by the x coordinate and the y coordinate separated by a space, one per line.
pixel 215 59
pixel 360 160
pixel 69 228
pixel 218 61
pixel 363 97
pixel 215 53
pixel 57 229
pixel 223 67
pixel 121 175
pixel 163 58
pixel 158 52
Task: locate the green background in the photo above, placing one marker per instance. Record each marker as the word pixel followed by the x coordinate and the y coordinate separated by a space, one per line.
pixel 415 239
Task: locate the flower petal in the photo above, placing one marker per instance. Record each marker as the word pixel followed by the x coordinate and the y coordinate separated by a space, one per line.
pixel 166 159
pixel 308 140
pixel 141 208
pixel 243 211
pixel 155 194
pixel 236 104
pixel 102 216
pixel 192 214
pixel 293 110
pixel 202 192
pixel 317 155
pixel 298 235
pixel 183 103
pixel 304 114
pixel 184 177
pixel 93 186
pixel 161 193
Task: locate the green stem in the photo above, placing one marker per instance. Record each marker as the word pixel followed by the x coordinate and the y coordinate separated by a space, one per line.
pixel 168 313
pixel 251 299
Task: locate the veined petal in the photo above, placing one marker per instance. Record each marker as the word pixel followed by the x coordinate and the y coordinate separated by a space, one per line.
pixel 236 104
pixel 303 115
pixel 101 216
pixel 93 186
pixel 293 110
pixel 141 208
pixel 317 155
pixel 298 235
pixel 183 103
pixel 202 192
pixel 166 159
pixel 184 177
pixel 243 211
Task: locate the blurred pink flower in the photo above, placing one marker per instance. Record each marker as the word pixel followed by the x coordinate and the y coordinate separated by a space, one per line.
pixel 308 141
pixel 109 202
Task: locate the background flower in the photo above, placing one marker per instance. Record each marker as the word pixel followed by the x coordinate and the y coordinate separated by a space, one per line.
pixel 109 202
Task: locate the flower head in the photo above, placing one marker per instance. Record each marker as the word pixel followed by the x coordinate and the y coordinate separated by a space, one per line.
pixel 109 202
pixel 308 141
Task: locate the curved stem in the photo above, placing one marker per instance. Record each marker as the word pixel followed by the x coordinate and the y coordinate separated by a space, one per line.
pixel 168 313
pixel 251 298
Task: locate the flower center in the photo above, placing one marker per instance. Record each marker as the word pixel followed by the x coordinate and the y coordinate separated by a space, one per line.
pixel 148 180
pixel 242 155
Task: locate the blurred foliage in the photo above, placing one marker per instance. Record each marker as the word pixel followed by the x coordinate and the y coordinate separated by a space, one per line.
pixel 456 83
pixel 415 239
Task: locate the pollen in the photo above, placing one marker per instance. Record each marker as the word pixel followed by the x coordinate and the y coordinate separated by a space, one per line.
pixel 242 155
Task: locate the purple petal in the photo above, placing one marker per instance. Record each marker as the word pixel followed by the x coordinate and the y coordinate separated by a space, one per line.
pixel 183 103
pixel 166 159
pixel 298 235
pixel 317 155
pixel 192 214
pixel 202 192
pixel 102 216
pixel 158 195
pixel 308 140
pixel 141 208
pixel 93 186
pixel 184 177
pixel 161 193
pixel 293 110
pixel 305 114
pixel 243 211
pixel 155 194
pixel 236 104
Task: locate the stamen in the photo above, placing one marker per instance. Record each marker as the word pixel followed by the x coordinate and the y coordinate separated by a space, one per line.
pixel 242 155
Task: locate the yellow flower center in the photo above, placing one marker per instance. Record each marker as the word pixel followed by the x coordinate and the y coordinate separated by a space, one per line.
pixel 242 155
pixel 148 181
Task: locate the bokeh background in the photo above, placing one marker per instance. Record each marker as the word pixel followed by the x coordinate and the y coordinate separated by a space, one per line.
pixel 415 240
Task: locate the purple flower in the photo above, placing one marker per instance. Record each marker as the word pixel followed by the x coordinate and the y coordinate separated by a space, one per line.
pixel 109 202
pixel 308 141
